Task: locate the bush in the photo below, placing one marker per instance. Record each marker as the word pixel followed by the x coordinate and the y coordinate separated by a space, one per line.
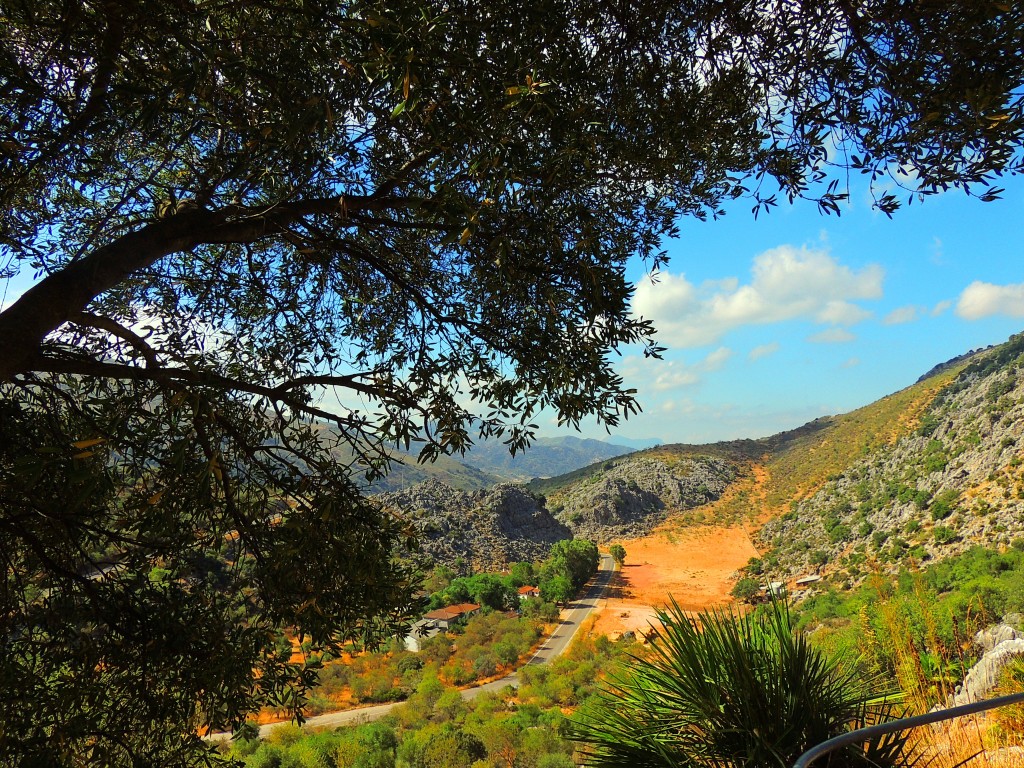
pixel 748 590
pixel 944 504
pixel 728 690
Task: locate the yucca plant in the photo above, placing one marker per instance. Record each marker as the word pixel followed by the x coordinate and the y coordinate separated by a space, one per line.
pixel 723 690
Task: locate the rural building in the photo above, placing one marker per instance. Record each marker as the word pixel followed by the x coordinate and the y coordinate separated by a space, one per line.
pixel 419 632
pixel 775 589
pixel 435 622
pixel 803 581
pixel 446 617
pixel 528 591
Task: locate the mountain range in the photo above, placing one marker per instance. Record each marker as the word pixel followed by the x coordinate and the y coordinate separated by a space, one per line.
pixel 921 474
pixel 489 462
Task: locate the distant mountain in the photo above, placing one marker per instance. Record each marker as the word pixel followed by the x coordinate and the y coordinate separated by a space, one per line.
pixel 546 456
pixel 406 471
pixel 487 463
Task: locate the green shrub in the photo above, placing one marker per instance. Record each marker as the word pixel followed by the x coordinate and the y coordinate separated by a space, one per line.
pixel 731 691
pixel 944 504
pixel 747 589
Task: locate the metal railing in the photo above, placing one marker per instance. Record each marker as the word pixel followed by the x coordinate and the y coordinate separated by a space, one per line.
pixel 863 734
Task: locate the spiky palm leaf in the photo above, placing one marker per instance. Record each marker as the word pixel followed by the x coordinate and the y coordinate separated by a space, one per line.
pixel 723 690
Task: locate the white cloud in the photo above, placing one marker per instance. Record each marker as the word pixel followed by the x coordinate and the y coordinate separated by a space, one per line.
pixel 842 313
pixel 764 350
pixel 832 336
pixel 672 376
pixel 667 375
pixel 980 300
pixel 851 363
pixel 786 283
pixel 902 315
pixel 715 360
pixel 941 307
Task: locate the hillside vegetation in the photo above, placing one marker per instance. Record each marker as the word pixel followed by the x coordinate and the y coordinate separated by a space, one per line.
pixel 945 477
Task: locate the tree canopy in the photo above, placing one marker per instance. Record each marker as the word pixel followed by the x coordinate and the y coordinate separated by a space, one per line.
pixel 618 553
pixel 569 566
pixel 269 240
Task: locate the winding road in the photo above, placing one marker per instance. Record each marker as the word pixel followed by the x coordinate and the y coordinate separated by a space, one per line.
pixel 571 619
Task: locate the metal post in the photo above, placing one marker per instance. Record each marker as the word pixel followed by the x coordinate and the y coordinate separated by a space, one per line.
pixel 863 734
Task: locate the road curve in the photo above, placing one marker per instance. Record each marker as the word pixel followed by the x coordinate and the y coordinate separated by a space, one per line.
pixel 571 618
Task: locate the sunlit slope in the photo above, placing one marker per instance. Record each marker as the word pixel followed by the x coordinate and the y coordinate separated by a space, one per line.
pixel 738 481
pixel 924 474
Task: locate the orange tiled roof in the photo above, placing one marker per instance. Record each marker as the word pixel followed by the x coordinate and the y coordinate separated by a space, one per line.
pixel 452 611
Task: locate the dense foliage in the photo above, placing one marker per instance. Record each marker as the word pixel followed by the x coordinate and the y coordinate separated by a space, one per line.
pixel 569 566
pixel 409 219
pixel 915 627
pixel 720 689
pixel 618 553
pixel 489 644
pixel 438 728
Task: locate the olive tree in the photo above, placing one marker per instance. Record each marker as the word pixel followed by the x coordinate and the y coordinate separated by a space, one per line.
pixel 268 241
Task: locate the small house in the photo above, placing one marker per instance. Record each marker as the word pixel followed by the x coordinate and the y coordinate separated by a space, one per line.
pixel 528 592
pixel 775 589
pixel 419 632
pixel 452 614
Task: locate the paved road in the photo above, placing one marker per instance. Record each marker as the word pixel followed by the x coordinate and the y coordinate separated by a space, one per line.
pixel 572 618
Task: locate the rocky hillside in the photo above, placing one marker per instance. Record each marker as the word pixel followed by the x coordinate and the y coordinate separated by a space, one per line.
pixel 952 479
pixel 478 530
pixel 627 497
pixel 921 474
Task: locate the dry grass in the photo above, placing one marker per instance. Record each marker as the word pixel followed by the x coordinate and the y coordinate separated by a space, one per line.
pixel 802 464
pixel 994 739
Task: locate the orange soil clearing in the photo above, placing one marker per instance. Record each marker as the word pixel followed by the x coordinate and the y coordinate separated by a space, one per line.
pixel 696 566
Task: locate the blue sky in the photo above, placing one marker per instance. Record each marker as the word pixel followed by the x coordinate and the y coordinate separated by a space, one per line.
pixel 771 323
pixel 774 322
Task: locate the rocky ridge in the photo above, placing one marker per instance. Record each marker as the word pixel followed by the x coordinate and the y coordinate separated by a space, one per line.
pixel 999 645
pixel 954 482
pixel 477 530
pixel 628 497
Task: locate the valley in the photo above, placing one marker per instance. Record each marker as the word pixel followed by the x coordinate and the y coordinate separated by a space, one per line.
pixel 880 496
